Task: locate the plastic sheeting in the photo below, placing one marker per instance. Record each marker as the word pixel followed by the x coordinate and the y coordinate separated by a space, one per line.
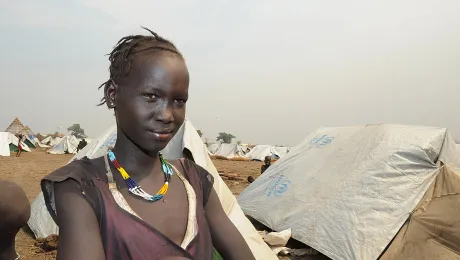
pixel 4 144
pixel 229 151
pixel 433 231
pixel 67 144
pixel 347 191
pixel 37 142
pixel 9 138
pixel 260 151
pixel 187 138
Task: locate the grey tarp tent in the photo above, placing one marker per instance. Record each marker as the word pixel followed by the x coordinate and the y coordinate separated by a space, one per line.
pixel 348 191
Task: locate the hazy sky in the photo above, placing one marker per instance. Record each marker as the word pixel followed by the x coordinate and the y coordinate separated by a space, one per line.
pixel 266 71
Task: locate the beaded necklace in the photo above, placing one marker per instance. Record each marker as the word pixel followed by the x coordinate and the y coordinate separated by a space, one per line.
pixel 136 189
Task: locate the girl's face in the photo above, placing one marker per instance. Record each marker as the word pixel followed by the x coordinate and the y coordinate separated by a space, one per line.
pixel 150 102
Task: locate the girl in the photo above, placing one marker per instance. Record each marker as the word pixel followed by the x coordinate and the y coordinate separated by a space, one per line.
pixel 131 203
pixel 20 137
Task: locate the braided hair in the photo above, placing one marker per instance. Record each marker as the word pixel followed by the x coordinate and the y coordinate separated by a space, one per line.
pixel 127 49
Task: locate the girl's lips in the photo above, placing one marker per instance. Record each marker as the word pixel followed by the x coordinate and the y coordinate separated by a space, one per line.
pixel 162 136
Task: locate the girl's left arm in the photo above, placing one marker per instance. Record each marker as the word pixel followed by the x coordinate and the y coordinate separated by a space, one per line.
pixel 225 236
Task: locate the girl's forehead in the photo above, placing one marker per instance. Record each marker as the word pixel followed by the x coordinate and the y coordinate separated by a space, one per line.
pixel 158 72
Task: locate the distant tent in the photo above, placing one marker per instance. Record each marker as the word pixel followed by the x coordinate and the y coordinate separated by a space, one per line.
pixel 4 144
pixel 229 151
pixel 212 148
pixel 51 141
pixel 38 143
pixel 66 145
pixel 16 127
pixel 9 143
pixel 46 140
pixel 29 142
pixel 260 151
pixel 30 133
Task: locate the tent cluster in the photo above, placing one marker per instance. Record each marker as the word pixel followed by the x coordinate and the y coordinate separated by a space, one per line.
pixel 57 144
pixel 365 192
pixel 9 140
pixel 258 152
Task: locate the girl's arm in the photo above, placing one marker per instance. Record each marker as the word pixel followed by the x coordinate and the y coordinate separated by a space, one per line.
pixel 225 236
pixel 79 235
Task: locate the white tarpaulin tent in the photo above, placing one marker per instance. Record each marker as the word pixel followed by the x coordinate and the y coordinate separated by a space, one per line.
pixel 187 138
pixel 51 141
pixel 39 144
pixel 229 151
pixel 260 151
pixel 67 144
pixel 212 148
pixel 4 144
pixel 7 139
pixel 46 140
pixel 347 191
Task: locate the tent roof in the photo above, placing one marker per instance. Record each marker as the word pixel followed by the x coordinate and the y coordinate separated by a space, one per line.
pixel 29 131
pixel 347 191
pixel 16 127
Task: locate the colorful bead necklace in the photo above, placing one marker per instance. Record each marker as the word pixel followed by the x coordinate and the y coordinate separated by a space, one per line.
pixel 136 189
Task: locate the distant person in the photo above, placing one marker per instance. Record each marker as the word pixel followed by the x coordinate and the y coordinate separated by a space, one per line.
pixel 131 203
pixel 267 163
pixel 14 214
pixel 20 148
pixel 81 144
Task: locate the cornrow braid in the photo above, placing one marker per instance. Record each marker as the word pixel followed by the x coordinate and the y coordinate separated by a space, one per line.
pixel 126 48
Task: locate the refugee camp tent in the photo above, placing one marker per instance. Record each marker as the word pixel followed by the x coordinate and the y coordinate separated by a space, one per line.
pixel 14 144
pixel 54 141
pixel 229 151
pixel 46 140
pixel 30 133
pixel 212 148
pixel 260 151
pixel 16 127
pixel 66 145
pixel 29 142
pixel 348 191
pixel 9 143
pixel 186 140
pixel 38 143
pixel 4 144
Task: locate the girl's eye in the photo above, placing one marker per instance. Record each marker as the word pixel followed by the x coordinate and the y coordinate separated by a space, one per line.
pixel 150 96
pixel 180 101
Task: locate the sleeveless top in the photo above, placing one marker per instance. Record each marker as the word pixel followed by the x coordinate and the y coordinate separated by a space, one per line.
pixel 124 234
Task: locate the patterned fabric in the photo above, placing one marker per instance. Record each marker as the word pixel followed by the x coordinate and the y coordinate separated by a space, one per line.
pixel 192 225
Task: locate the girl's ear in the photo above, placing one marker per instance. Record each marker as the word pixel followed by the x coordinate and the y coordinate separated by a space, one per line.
pixel 110 91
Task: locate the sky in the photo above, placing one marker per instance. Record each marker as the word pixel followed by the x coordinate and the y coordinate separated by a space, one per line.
pixel 268 72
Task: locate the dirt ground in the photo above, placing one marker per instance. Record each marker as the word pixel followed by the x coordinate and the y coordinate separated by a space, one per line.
pixel 28 169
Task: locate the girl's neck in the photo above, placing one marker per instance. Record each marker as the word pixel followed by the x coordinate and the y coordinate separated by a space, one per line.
pixel 136 162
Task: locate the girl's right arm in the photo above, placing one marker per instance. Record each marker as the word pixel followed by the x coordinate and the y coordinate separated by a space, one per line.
pixel 79 234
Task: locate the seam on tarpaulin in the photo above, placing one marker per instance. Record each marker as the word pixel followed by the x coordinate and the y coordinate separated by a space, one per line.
pixel 444 195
